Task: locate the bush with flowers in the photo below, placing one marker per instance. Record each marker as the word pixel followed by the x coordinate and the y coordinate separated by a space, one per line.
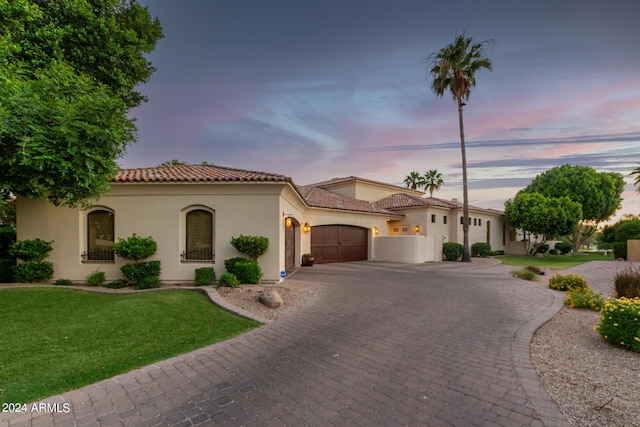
pixel 620 322
pixel 567 282
pixel 584 298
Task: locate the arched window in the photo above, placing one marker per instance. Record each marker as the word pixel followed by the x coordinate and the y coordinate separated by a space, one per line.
pixel 100 232
pixel 199 246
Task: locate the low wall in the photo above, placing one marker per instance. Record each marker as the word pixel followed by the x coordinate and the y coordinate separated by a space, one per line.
pixel 407 249
pixel 633 250
pixel 516 248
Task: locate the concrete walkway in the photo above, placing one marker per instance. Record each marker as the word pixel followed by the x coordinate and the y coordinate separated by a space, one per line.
pixel 443 344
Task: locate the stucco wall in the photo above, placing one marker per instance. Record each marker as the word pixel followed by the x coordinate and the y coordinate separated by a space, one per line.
pixel 633 250
pixel 407 249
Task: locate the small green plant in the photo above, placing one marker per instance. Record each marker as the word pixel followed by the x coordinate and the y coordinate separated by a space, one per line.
pixel 205 276
pixel 135 248
pixel 452 251
pixel 584 298
pixel 524 274
pixel 97 278
pixel 627 282
pixel 497 253
pixel 481 249
pixel 230 280
pixel 620 322
pixel 543 248
pixel 563 247
pixel 248 272
pixel 118 284
pixel 63 282
pixel 567 282
pixel 33 271
pixel 30 250
pixel 251 246
pixel 553 252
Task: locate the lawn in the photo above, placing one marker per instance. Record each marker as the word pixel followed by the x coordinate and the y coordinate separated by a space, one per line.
pixel 554 262
pixel 54 340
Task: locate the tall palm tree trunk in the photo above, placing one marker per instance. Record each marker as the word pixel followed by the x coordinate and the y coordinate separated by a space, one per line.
pixel 466 256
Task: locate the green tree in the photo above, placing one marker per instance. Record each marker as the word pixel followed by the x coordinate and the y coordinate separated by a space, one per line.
pixel 599 194
pixel 453 70
pixel 541 218
pixel 172 162
pixel 68 73
pixel 433 181
pixel 414 180
pixel 636 181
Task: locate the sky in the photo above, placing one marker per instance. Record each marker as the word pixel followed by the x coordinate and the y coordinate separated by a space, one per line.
pixel 322 89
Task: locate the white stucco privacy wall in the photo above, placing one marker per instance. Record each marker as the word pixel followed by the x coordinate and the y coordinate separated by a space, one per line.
pixel 407 249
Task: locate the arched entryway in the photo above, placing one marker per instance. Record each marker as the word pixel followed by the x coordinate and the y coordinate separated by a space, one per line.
pixel 339 243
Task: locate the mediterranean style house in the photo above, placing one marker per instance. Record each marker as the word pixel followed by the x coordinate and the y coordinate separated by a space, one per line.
pixel 193 211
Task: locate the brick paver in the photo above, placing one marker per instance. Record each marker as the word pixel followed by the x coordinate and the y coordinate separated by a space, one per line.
pixel 443 344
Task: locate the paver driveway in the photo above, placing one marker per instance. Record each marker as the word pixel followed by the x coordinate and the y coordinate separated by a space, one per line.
pixel 385 344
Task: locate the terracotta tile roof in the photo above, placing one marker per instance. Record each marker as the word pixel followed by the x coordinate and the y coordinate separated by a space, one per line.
pixel 196 173
pixel 401 200
pixel 345 179
pixel 321 198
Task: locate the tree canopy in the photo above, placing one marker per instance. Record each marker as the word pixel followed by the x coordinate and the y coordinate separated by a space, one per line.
pixel 68 73
pixel 542 218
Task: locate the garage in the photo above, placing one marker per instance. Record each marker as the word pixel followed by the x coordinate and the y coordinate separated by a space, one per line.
pixel 339 243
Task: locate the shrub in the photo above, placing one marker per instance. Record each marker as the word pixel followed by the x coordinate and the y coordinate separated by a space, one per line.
pixel 584 298
pixel 452 251
pixel 96 278
pixel 251 246
pixel 33 271
pixel 553 252
pixel 248 272
pixel 542 249
pixel 147 282
pixel 620 322
pixel 142 273
pixel 563 247
pixel 497 253
pixel 567 282
pixel 205 276
pixel 230 263
pixel 7 238
pixel 230 280
pixel 135 248
pixel 481 249
pixel 620 250
pixel 627 282
pixel 30 250
pixel 7 268
pixel 118 284
pixel 63 282
pixel 524 274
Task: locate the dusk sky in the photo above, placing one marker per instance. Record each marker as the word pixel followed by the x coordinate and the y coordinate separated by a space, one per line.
pixel 321 89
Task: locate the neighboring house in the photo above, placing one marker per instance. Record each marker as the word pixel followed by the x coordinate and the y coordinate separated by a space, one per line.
pixel 193 211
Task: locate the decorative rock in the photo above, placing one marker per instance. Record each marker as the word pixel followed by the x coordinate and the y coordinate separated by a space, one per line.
pixel 535 269
pixel 271 298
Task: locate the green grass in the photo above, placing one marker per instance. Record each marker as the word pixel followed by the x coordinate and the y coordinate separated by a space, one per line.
pixel 554 262
pixel 54 340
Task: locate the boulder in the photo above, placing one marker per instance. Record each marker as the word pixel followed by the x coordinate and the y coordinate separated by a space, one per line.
pixel 271 298
pixel 535 270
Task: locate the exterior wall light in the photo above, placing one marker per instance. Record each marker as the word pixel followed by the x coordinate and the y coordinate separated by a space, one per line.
pixel 306 227
pixel 288 221
pixel 375 230
pixel 416 228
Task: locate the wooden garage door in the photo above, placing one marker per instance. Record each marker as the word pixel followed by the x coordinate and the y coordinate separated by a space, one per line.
pixel 339 243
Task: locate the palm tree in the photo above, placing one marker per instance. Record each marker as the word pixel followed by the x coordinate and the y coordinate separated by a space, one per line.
pixel 453 69
pixel 636 182
pixel 414 180
pixel 432 181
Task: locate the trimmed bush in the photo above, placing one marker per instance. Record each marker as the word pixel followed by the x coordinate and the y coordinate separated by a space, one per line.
pixel 584 298
pixel 33 271
pixel 205 276
pixel 567 282
pixel 135 248
pixel 627 282
pixel 144 274
pixel 251 246
pixel 96 278
pixel 452 251
pixel 481 249
pixel 248 272
pixel 497 253
pixel 118 284
pixel 553 252
pixel 524 274
pixel 620 323
pixel 542 249
pixel 30 250
pixel 230 280
pixel 563 247
pixel 620 250
pixel 63 282
pixel 7 238
pixel 230 264
pixel 147 282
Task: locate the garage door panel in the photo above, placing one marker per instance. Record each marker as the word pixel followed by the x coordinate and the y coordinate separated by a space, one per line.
pixel 339 243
